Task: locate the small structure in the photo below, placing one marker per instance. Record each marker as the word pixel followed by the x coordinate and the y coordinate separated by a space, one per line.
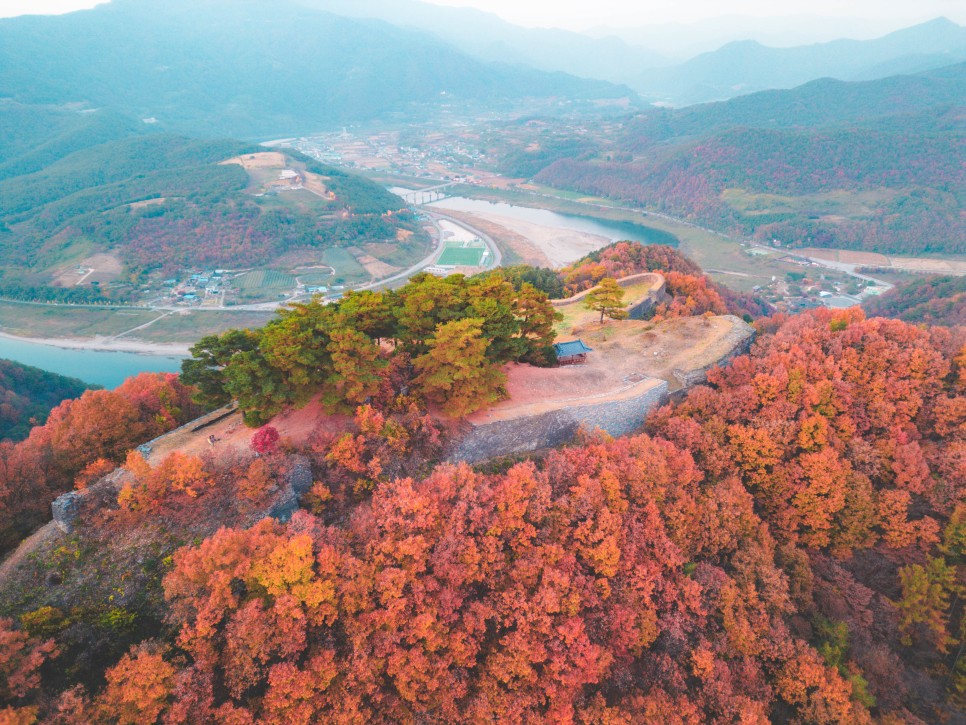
pixel 571 353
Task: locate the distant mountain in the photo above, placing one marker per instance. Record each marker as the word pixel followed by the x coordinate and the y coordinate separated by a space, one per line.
pixel 748 66
pixel 28 394
pixel 250 68
pixel 686 40
pixel 33 136
pixel 824 102
pixel 877 165
pixel 487 37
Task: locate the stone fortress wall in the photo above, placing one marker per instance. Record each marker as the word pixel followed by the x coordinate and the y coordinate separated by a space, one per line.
pixel 556 427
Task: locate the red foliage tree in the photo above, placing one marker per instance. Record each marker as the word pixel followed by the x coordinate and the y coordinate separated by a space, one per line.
pixel 265 440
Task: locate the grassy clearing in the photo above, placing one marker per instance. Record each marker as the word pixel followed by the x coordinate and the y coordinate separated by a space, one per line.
pixel 315 279
pixel 838 202
pixel 55 321
pixel 462 254
pixel 299 200
pixel 347 268
pixel 576 314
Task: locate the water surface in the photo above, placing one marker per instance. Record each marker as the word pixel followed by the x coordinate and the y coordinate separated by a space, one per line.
pixel 615 231
pixel 108 369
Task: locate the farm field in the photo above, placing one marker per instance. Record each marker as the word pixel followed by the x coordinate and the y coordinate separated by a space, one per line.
pixel 262 284
pixel 264 279
pixel 923 265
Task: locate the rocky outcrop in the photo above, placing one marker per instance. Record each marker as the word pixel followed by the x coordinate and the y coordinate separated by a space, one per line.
pixel 71 508
pixel 297 482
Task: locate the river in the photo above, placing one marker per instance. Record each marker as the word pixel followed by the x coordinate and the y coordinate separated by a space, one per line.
pixel 108 369
pixel 602 228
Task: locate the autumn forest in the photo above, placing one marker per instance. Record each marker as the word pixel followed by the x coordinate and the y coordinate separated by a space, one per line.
pixel 782 544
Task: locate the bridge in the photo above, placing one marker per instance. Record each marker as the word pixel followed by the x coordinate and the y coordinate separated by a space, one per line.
pixel 426 196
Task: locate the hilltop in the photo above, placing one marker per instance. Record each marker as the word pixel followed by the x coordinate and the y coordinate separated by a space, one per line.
pixel 760 546
pixel 111 221
pixel 746 66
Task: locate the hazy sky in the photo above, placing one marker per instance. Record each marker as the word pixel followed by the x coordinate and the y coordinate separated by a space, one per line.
pixel 581 14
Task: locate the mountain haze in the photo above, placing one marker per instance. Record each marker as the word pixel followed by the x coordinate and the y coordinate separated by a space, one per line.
pixel 249 69
pixel 747 66
pixel 489 38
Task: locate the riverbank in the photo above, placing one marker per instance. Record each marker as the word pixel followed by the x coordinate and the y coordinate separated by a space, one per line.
pixel 103 344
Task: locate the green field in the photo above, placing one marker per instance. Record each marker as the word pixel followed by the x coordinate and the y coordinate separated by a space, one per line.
pixel 193 326
pixel 347 268
pixel 264 279
pixel 461 254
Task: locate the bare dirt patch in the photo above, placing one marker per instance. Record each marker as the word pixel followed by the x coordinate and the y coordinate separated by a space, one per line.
pixel 628 358
pixel 375 268
pixel 262 160
pixel 96 268
pixel 231 434
pixel 316 184
pixel 872 259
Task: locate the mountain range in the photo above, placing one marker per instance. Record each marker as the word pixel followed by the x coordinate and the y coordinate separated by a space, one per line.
pixel 747 66
pixel 625 56
pixel 247 69
pixel 875 166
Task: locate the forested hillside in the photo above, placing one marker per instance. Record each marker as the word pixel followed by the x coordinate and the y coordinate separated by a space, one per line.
pixel 27 395
pixel 243 68
pixel 874 166
pixel 784 544
pixel 167 203
pixel 932 301
pixel 32 136
pixel 82 440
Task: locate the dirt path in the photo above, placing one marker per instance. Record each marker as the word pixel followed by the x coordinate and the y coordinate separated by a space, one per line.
pixel 141 327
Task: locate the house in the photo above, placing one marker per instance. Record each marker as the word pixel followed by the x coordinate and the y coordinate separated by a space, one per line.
pixel 571 353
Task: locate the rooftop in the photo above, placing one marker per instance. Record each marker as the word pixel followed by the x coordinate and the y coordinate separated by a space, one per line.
pixel 569 349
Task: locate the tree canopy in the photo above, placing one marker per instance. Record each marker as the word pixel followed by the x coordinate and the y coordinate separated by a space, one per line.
pixel 340 350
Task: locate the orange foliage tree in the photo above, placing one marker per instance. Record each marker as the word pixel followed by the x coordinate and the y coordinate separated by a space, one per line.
pixel 100 425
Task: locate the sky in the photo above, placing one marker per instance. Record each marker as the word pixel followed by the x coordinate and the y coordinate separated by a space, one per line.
pixel 583 14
